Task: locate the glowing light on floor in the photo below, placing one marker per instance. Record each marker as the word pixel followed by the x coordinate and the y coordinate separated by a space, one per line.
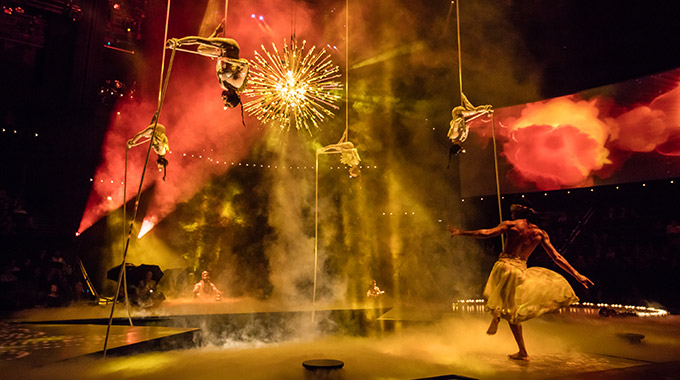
pixel 292 88
pixel 640 311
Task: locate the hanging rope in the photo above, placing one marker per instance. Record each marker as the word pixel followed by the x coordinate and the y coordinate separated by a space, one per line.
pixel 495 163
pixel 460 59
pixel 226 9
pixel 316 230
pixel 293 21
pixel 493 119
pixel 347 70
pixel 127 299
pixel 161 97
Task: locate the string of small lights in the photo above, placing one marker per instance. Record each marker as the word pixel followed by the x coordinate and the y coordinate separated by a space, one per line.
pixel 17 132
pixel 247 165
pixel 475 305
pixel 570 191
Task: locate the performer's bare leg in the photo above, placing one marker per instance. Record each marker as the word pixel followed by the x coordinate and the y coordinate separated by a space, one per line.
pixel 519 338
pixel 493 327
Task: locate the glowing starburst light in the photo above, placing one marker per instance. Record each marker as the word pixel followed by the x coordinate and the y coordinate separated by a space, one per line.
pixel 292 88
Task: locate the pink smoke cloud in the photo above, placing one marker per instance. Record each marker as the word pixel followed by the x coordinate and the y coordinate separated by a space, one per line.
pixel 553 157
pixel 557 143
pixel 655 127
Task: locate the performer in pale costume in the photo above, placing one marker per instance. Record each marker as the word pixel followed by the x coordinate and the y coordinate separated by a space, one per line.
pixel 374 291
pixel 349 155
pixel 206 289
pixel 461 115
pixel 517 293
pixel 232 71
pixel 159 142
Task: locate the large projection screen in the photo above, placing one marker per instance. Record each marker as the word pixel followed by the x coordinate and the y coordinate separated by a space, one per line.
pixel 619 133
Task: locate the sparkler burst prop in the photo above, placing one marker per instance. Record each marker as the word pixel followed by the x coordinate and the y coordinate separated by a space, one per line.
pixel 291 88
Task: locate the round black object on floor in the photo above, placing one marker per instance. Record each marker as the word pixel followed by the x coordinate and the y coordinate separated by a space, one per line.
pixel 322 364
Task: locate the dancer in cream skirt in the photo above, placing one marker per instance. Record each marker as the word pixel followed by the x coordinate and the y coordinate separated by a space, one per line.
pixel 517 293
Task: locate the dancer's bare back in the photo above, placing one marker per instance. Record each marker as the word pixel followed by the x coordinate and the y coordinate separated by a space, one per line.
pixel 522 238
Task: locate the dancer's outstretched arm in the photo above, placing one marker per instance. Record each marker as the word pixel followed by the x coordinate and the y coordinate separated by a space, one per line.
pixel 483 233
pixel 561 261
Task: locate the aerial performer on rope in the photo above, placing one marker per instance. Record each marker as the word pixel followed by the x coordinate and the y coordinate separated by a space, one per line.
pixel 461 115
pixel 349 155
pixel 232 71
pixel 159 142
pixel 466 112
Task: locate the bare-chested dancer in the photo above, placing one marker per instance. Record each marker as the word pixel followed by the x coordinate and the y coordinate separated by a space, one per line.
pixel 514 292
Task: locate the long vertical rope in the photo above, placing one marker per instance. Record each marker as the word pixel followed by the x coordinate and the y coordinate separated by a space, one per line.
pixel 161 96
pixel 493 121
pixel 347 70
pixel 316 230
pixel 127 299
pixel 460 59
pixel 498 186
pixel 165 38
pixel 226 10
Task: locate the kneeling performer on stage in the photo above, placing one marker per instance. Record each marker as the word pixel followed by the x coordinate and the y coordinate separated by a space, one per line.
pixel 517 293
pixel 206 289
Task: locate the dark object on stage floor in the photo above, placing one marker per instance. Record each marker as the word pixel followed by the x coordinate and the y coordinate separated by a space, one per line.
pixel 447 377
pixel 112 273
pixel 609 312
pixel 631 337
pixel 136 273
pixel 322 364
pixel 155 270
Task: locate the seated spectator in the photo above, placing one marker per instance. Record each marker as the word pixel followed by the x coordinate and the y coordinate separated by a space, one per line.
pixel 146 293
pixel 54 298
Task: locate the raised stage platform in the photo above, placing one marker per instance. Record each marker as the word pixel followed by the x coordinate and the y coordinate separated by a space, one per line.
pixel 248 339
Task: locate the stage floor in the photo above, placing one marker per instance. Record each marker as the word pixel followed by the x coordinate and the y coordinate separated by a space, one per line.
pixel 565 346
pixel 187 306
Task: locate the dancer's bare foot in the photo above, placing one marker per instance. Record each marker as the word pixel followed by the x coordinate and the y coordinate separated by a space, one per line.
pixel 519 356
pixel 493 327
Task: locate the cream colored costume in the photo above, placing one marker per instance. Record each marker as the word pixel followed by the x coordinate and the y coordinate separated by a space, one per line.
pixel 517 293
pixel 159 142
pixel 349 155
pixel 461 115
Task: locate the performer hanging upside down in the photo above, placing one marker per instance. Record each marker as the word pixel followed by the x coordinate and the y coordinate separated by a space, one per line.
pixel 232 71
pixel 349 155
pixel 517 293
pixel 159 143
pixel 461 115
